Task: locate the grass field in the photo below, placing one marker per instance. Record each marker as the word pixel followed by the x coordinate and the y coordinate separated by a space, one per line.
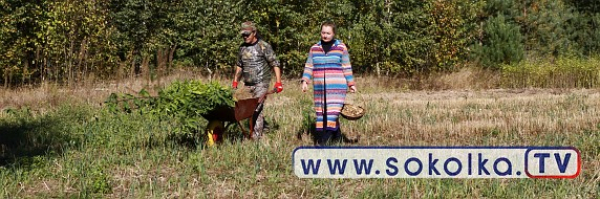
pixel 66 145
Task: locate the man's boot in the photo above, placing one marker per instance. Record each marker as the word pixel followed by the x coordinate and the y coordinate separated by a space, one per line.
pixel 266 127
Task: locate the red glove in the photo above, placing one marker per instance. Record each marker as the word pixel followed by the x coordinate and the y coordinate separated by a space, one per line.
pixel 234 84
pixel 279 87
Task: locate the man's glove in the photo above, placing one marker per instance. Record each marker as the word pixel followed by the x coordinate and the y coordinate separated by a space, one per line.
pixel 234 85
pixel 278 87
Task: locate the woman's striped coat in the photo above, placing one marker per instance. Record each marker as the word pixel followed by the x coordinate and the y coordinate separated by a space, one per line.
pixel 332 75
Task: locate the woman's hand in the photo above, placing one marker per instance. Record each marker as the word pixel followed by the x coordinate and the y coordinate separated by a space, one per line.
pixel 353 89
pixel 304 86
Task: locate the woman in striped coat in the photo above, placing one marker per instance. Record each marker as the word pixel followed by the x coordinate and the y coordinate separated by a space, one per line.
pixel 328 64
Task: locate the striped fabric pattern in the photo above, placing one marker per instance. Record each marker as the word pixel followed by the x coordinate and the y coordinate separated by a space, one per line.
pixel 332 75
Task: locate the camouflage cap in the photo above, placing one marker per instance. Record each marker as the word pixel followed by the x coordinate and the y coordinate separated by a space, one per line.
pixel 247 26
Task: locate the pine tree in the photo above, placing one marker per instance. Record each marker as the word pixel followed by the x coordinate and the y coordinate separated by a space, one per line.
pixel 502 43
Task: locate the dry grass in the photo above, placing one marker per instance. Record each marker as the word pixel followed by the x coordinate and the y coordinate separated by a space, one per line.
pixel 455 116
pixel 93 93
pixel 467 78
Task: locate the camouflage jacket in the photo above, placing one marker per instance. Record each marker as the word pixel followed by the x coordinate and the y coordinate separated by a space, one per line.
pixel 257 61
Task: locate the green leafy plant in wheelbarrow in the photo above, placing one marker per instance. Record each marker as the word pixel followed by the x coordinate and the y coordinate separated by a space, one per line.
pixel 188 102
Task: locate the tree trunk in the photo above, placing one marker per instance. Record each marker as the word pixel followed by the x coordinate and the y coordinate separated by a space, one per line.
pixel 80 59
pixel 171 54
pixel 378 69
pixel 145 68
pixel 24 73
pixel 132 67
pixel 161 63
pixel 69 60
pixel 5 74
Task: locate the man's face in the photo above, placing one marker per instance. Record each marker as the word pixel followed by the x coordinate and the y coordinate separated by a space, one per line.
pixel 249 36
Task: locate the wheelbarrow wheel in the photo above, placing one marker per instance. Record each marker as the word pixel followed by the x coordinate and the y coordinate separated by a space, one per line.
pixel 214 132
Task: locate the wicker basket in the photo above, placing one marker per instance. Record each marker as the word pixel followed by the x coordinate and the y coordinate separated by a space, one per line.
pixel 352 112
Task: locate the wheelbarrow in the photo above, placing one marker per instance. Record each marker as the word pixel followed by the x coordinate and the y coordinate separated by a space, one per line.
pixel 244 109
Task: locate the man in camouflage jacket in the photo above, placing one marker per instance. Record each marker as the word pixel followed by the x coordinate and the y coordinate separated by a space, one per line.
pixel 255 61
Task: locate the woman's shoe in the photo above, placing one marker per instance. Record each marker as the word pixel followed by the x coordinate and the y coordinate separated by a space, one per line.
pixel 324 138
pixel 337 136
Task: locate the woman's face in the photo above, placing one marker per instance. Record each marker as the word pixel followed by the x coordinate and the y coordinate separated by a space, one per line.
pixel 327 33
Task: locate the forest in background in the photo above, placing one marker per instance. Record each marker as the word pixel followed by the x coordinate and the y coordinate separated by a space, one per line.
pixel 65 41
